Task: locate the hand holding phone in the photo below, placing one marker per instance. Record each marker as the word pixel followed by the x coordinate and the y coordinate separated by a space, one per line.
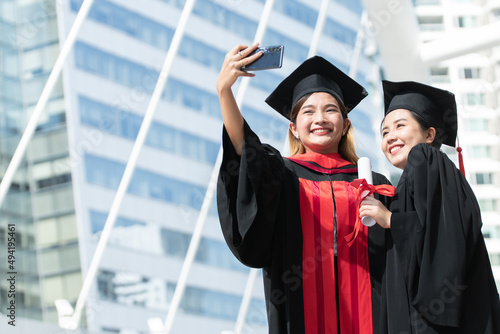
pixel 272 57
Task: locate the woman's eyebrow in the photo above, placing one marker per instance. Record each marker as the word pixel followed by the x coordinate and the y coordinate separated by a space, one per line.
pixel 399 119
pixel 332 105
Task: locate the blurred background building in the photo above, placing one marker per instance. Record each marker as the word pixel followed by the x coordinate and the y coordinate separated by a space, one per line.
pixel 474 78
pixel 62 192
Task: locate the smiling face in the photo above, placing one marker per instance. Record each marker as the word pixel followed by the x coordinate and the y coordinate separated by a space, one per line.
pixel 319 124
pixel 400 133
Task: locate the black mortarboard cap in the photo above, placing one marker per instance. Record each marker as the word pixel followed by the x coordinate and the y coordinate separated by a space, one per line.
pixel 436 106
pixel 316 74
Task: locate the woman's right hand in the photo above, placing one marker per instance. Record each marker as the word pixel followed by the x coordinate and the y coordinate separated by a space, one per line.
pixel 233 62
pixel 374 208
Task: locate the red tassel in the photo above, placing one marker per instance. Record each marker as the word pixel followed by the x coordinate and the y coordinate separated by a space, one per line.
pixel 460 160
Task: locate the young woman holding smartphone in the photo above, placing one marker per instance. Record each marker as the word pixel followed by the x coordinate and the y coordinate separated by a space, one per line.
pixel 293 217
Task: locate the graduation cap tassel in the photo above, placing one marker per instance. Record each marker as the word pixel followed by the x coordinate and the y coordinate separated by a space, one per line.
pixel 460 158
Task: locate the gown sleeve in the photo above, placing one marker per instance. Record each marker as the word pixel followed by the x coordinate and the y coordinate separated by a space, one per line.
pixel 248 198
pixel 436 234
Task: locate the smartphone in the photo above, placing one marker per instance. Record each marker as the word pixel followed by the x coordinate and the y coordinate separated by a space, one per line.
pixel 272 58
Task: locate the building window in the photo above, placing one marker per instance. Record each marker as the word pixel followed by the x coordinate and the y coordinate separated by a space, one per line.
pixel 177 3
pixel 470 73
pixel 481 152
pixel 440 74
pixel 51 144
pixel 488 204
pixel 51 173
pixel 473 99
pixel 125 288
pixel 266 81
pixel 431 23
pixel 478 125
pixel 126 125
pixel 466 21
pixel 298 11
pixel 354 5
pixel 340 32
pixel 154 293
pixel 491 231
pixel 62 286
pixel 149 238
pixel 294 49
pixel 484 178
pixel 108 173
pixel 60 259
pixel 227 19
pixel 56 231
pixel 139 77
pixel 59 200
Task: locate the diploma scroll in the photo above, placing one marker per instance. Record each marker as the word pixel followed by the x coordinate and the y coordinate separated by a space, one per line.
pixel 365 172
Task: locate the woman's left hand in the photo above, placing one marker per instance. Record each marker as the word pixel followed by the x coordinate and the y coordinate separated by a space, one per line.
pixel 374 208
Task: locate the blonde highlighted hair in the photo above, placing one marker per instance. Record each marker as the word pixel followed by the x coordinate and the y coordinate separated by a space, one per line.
pixel 346 149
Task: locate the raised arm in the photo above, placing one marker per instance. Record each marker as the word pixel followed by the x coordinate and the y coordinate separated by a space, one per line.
pixel 230 72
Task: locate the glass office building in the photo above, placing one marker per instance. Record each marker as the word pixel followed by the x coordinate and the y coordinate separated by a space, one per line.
pixel 39 204
pixel 63 191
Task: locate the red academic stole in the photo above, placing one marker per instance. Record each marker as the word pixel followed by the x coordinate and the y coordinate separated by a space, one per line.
pixel 318 266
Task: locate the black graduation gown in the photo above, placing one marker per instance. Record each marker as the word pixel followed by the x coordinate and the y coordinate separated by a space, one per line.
pixel 259 211
pixel 439 278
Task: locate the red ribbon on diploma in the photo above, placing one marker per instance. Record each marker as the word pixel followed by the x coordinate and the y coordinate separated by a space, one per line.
pixel 361 185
